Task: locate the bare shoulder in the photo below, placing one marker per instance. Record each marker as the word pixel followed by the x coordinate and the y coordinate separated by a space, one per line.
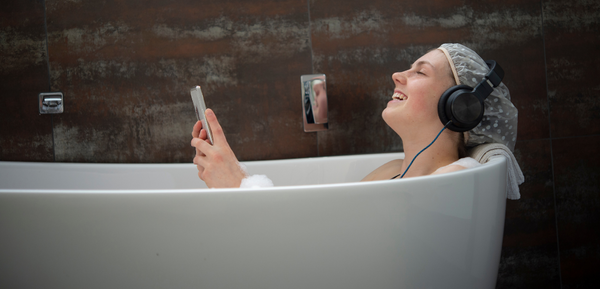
pixel 386 171
pixel 448 169
pixel 461 164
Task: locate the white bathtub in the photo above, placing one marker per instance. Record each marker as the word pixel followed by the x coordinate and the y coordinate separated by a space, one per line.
pixel 147 226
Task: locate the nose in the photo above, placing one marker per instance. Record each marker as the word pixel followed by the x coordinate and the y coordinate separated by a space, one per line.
pixel 399 77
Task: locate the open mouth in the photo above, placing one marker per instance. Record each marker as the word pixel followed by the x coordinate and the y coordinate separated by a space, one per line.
pixel 399 95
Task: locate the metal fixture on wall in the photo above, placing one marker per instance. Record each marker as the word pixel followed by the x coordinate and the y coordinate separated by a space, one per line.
pixel 51 102
pixel 314 102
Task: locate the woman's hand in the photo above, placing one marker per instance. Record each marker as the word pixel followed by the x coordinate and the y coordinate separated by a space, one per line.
pixel 217 165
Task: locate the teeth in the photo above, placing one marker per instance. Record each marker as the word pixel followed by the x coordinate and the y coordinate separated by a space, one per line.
pixel 399 96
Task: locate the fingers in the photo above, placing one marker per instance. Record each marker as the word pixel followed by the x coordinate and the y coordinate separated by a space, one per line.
pixel 199 161
pixel 216 163
pixel 200 153
pixel 199 137
pixel 217 130
pixel 203 134
pixel 199 167
pixel 200 172
pixel 202 163
pixel 198 132
pixel 196 129
pixel 200 144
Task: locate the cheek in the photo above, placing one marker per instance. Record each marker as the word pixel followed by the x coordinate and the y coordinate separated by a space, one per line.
pixel 427 103
pixel 426 109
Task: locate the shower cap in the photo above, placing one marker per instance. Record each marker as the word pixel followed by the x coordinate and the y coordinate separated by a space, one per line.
pixel 499 123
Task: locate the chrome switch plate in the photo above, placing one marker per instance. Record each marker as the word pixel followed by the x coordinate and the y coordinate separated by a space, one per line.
pixel 51 102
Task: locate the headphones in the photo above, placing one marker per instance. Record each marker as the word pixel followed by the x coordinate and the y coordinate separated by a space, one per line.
pixel 463 105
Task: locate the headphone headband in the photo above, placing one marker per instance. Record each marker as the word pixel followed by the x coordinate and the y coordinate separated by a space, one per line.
pixel 491 80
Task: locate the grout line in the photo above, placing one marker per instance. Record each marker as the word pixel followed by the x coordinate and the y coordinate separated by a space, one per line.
pixel 551 147
pixel 312 64
pixel 572 137
pixel 559 138
pixel 49 79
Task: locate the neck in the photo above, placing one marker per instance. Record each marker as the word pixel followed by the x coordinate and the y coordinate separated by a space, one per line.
pixel 442 152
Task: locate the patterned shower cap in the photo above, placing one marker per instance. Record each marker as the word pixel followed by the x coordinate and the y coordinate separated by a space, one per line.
pixel 499 123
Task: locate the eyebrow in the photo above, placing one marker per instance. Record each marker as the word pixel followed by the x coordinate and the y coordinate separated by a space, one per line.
pixel 421 63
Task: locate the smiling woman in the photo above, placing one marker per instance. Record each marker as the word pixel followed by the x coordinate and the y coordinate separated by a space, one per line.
pixel 414 113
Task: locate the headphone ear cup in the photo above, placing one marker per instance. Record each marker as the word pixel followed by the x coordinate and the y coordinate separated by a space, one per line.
pixel 465 109
pixel 444 114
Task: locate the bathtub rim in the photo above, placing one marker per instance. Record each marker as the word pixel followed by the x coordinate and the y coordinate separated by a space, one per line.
pixel 494 161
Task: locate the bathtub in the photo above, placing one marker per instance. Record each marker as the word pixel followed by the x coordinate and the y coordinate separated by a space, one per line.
pixel 155 226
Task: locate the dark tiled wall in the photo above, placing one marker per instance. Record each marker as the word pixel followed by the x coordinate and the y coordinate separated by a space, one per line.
pixel 24 135
pixel 572 37
pixel 126 66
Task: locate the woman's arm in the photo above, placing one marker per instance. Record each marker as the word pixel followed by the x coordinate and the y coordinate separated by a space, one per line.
pixel 217 165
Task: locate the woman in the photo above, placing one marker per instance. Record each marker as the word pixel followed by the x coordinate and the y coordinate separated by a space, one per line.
pixel 412 114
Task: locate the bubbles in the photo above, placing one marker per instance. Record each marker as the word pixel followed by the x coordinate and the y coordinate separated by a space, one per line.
pixel 256 181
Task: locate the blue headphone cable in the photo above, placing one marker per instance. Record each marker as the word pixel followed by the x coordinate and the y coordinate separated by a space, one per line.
pixel 411 162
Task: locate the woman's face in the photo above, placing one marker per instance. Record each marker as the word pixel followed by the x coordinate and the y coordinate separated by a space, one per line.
pixel 417 92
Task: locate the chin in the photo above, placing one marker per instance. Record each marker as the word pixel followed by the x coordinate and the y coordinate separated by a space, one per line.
pixel 383 115
pixel 387 117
